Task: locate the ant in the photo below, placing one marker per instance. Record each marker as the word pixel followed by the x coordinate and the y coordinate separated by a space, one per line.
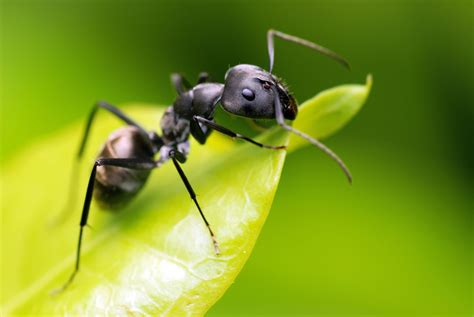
pixel 127 157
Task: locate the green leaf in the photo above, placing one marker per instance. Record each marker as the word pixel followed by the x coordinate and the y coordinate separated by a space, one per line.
pixel 328 111
pixel 155 256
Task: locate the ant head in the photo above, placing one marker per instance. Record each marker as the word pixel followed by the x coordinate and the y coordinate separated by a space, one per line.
pixel 249 92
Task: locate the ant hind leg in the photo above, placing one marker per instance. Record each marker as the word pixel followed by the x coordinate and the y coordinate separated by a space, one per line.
pixel 71 195
pixel 131 163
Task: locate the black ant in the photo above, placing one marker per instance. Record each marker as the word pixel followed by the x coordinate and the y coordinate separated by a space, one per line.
pixel 128 156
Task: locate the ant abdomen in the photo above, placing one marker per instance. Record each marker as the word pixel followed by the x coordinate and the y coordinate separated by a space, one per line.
pixel 116 186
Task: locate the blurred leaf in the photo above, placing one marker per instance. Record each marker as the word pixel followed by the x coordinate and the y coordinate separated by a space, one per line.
pixel 156 256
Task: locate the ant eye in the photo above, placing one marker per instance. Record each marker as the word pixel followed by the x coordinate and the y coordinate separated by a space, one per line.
pixel 248 94
pixel 267 85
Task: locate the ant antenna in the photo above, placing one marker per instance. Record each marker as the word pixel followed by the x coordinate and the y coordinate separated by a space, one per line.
pixel 278 107
pixel 281 121
pixel 290 38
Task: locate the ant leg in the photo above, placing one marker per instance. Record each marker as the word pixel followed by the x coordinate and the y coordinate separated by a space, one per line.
pixel 202 78
pixel 233 134
pixel 132 163
pixel 179 157
pixel 281 121
pixel 180 83
pixel 290 38
pixel 199 133
pixel 71 200
pixel 112 109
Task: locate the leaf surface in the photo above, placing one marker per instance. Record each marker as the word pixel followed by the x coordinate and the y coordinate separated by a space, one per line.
pixel 154 257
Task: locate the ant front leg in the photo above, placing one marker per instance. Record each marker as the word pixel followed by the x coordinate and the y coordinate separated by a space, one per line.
pixel 131 163
pixel 212 125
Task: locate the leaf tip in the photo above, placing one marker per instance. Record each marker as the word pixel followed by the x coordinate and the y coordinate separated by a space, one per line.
pixel 368 82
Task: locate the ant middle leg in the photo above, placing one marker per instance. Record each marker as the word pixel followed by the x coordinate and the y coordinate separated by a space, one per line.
pixel 212 125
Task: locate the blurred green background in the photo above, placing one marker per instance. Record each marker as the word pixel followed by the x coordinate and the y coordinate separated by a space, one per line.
pixel 399 241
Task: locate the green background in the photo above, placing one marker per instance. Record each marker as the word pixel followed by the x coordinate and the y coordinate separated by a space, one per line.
pixel 397 242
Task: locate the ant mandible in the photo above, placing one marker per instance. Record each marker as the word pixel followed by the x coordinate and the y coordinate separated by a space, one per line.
pixel 127 157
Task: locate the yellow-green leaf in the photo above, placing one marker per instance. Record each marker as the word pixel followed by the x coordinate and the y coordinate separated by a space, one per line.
pixel 329 110
pixel 155 256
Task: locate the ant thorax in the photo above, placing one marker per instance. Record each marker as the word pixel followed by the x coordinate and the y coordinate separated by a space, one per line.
pixel 175 129
pixel 175 134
